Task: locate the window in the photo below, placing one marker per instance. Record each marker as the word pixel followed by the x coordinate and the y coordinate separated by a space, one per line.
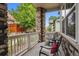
pixel 70 24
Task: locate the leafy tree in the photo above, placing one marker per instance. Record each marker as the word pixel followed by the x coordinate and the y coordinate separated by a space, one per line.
pixel 53 19
pixel 25 15
pixel 49 28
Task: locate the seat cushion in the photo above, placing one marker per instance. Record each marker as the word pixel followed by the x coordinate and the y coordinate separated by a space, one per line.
pixel 46 51
pixel 47 43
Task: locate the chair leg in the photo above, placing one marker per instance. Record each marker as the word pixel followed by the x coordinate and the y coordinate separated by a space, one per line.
pixel 39 53
pixel 56 54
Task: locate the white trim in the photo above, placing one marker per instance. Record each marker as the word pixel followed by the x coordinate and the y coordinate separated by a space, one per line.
pixel 65 18
pixel 70 9
pixel 77 23
pixel 60 21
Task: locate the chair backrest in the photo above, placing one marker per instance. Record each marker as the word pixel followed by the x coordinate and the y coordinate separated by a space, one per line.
pixel 59 40
pixel 56 44
pixel 54 47
pixel 55 36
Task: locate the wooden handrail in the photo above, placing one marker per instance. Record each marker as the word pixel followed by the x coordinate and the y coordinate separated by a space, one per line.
pixel 69 44
pixel 19 34
pixel 71 40
pixel 21 42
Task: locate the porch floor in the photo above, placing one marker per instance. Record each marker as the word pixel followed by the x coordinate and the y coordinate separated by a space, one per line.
pixel 34 51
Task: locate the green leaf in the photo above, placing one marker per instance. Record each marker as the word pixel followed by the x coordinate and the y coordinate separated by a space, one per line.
pixel 25 15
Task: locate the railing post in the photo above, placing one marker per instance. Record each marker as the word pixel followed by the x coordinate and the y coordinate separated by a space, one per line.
pixel 11 48
pixel 28 39
pixel 14 46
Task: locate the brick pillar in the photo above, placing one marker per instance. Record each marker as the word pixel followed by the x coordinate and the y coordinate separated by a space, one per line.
pixel 40 23
pixel 3 30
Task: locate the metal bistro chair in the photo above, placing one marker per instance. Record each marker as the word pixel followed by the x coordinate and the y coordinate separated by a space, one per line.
pixel 46 50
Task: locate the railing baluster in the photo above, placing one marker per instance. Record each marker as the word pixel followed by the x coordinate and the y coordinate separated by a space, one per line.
pixel 23 43
pixel 17 45
pixel 19 42
pixel 14 46
pixel 11 48
pixel 28 38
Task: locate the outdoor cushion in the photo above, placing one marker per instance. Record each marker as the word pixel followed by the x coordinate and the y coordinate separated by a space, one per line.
pixel 47 43
pixel 46 51
pixel 54 48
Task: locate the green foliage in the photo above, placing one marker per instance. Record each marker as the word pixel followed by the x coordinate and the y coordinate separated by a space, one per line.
pixel 54 18
pixel 25 15
pixel 49 28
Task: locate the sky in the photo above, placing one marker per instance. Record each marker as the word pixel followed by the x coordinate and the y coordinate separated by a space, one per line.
pixel 47 14
pixel 12 5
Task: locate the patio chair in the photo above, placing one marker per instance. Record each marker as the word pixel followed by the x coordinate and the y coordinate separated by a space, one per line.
pixel 50 39
pixel 49 50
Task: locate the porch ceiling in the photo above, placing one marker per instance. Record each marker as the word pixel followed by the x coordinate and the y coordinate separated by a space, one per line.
pixel 48 6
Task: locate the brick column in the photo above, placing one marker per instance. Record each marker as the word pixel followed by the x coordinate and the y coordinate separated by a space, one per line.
pixel 3 30
pixel 40 23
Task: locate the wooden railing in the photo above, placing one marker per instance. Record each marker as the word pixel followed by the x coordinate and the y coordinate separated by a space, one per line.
pixel 49 35
pixel 69 47
pixel 21 42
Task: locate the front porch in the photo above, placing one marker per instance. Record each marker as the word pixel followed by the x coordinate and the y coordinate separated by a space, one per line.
pixel 28 44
